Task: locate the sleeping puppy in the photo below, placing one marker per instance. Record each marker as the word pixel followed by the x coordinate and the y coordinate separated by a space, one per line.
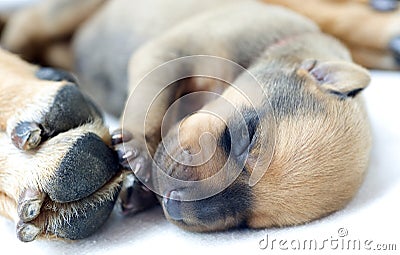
pixel 289 148
pixel 284 144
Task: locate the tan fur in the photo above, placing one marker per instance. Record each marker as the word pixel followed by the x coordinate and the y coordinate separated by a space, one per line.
pixel 9 207
pixel 301 184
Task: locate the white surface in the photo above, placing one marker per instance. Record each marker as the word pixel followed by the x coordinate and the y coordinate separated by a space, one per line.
pixel 372 216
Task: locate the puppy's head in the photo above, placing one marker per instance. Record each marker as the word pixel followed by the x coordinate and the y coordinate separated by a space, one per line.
pixel 321 145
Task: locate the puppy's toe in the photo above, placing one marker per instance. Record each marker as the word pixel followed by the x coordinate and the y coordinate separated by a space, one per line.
pixel 133 155
pixel 88 165
pixel 29 204
pixel 69 109
pixel 82 225
pixel 27 232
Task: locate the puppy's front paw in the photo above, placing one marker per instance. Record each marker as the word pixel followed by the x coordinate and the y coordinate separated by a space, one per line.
pixel 66 188
pixel 133 155
pixel 59 176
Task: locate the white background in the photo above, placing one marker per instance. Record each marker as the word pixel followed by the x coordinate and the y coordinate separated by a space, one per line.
pixel 373 215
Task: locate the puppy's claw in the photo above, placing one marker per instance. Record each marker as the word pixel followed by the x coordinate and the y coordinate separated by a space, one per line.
pixel 126 157
pixel 395 48
pixel 30 204
pixel 27 232
pixel 120 136
pixel 26 135
pixel 384 5
pixel 139 169
pixel 132 157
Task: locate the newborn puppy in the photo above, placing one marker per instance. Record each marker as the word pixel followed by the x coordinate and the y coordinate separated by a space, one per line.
pixel 284 145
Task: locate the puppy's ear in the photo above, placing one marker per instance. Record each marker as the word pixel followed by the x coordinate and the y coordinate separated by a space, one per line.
pixel 340 78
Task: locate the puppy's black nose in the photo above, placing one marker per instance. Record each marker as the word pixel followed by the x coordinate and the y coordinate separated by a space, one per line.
pixel 172 205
